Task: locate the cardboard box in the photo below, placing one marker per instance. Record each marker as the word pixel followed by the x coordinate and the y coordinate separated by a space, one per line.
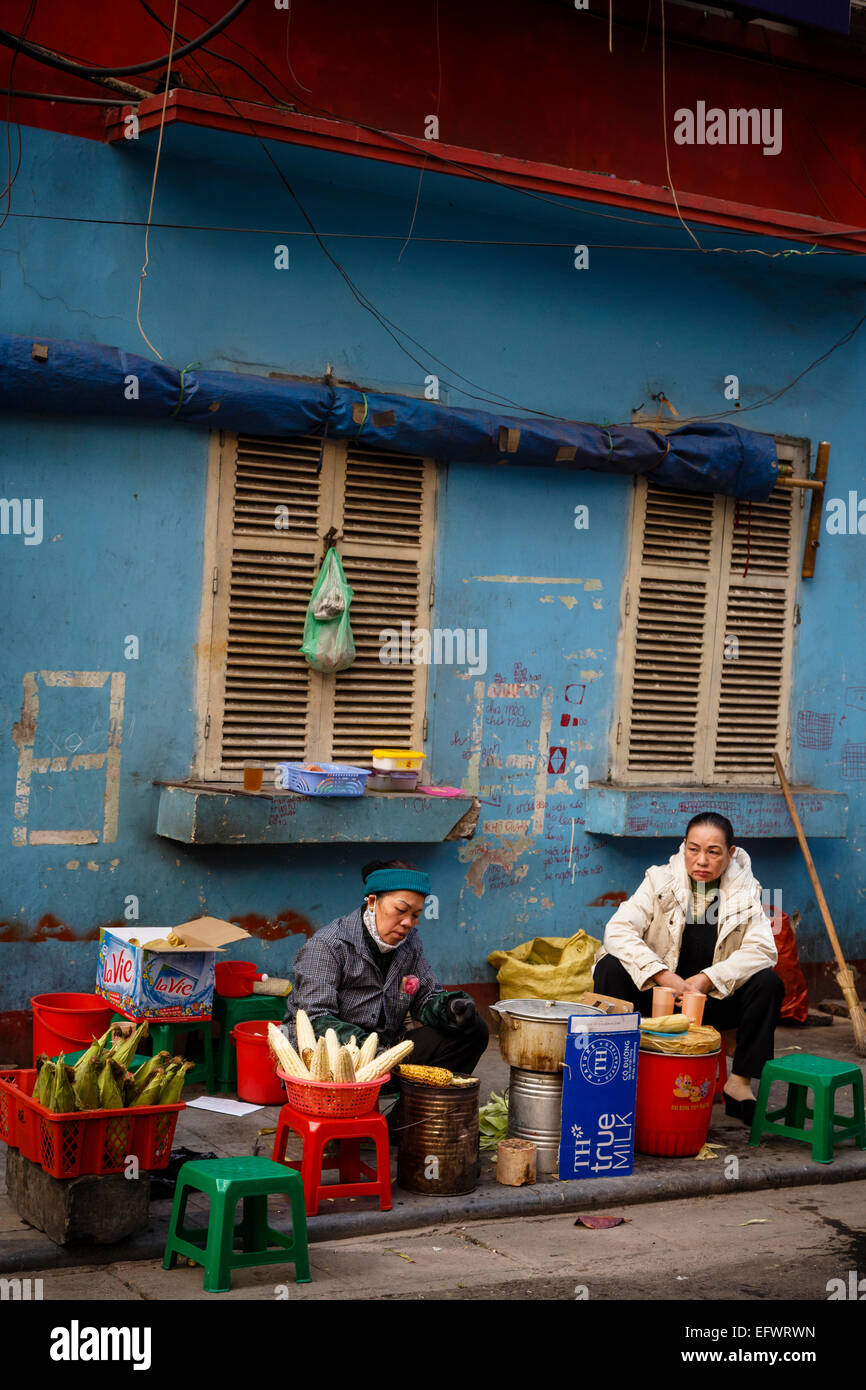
pixel 169 984
pixel 599 1087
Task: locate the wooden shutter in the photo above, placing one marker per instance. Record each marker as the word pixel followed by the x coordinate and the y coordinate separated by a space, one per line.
pixel 671 602
pixel 262 699
pixel 707 648
pixel 386 549
pixel 752 657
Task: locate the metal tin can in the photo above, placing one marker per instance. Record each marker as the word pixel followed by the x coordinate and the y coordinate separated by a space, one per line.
pixel 438 1138
pixel 535 1113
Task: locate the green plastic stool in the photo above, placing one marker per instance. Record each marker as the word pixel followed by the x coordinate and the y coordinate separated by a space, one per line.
pixel 162 1035
pixel 226 1181
pixel 823 1077
pixel 227 1013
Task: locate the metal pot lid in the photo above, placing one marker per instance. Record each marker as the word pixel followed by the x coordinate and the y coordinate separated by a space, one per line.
pixel 543 1010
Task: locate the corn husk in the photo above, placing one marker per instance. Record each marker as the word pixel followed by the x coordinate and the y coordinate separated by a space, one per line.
pixel 93 1053
pixel 150 1095
pixel 62 1098
pixel 140 1078
pixel 124 1049
pixel 699 1040
pixel 172 1084
pixel 86 1086
pixel 111 1079
pixel 44 1080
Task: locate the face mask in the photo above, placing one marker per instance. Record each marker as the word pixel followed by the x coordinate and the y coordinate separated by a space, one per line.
pixel 370 924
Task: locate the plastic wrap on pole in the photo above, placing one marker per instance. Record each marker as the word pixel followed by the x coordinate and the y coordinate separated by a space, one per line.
pixel 93 379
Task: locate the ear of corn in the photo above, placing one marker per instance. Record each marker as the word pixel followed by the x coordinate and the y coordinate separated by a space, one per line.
pixel 667 1023
pixel 319 1068
pixel 140 1077
pixel 354 1049
pixel 172 1083
pixel 285 1054
pixel 344 1070
pixel 427 1076
pixel 44 1079
pixel 305 1031
pixel 124 1049
pixel 308 1057
pixel 332 1044
pixel 368 1050
pixel 385 1062
pixel 86 1087
pixel 111 1078
pixel 152 1091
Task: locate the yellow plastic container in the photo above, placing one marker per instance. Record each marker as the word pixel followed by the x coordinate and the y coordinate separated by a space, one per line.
pixel 397 760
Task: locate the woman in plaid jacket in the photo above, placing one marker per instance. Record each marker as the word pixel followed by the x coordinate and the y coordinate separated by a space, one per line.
pixel 366 972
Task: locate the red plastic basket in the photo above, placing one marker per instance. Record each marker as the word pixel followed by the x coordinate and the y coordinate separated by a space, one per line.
pixel 83 1141
pixel 343 1098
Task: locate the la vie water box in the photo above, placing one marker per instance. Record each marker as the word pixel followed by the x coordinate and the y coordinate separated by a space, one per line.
pixel 599 1087
pixel 172 982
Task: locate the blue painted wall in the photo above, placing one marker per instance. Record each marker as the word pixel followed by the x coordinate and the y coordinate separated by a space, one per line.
pixel 124 509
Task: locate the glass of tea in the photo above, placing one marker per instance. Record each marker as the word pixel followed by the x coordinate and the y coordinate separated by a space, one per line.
pixel 253 776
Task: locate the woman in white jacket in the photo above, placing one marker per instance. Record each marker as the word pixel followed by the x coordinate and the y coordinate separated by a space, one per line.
pixel 697 925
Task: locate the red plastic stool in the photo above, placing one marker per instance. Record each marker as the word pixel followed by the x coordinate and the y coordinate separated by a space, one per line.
pixel 721 1075
pixel 315 1131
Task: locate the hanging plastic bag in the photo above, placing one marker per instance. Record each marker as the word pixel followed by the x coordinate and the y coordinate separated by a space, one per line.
pixel 328 643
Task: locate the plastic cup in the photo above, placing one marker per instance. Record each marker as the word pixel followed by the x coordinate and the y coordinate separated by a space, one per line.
pixel 253 777
pixel 663 1001
pixel 693 1006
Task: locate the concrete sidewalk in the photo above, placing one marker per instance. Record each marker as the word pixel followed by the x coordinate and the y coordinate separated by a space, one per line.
pixel 777 1163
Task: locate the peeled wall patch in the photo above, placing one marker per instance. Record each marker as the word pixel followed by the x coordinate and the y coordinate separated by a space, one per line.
pixel 570 600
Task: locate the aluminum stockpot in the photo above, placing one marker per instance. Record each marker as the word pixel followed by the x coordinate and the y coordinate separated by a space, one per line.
pixel 532 1032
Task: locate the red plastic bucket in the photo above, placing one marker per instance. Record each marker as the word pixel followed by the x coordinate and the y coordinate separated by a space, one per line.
pixel 257 1075
pixel 233 979
pixel 674 1102
pixel 68 1022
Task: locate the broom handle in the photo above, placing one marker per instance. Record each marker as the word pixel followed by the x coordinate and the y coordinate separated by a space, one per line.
pixel 819 892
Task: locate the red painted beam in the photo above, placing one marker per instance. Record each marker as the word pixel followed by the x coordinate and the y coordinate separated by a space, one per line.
pixel 343 137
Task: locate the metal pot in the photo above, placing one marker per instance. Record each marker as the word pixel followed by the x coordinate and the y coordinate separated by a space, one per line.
pixel 532 1032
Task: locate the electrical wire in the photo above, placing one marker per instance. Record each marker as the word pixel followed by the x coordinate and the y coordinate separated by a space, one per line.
pixel 665 131
pixel 142 277
pixel 55 96
pixel 221 57
pixel 295 77
pixel 10 108
pixel 424 165
pixel 45 55
pixel 398 236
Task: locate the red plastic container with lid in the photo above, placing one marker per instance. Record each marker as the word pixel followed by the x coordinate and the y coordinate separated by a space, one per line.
pixel 674 1102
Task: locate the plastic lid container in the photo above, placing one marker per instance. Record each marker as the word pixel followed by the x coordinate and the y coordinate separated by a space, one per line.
pixel 397 759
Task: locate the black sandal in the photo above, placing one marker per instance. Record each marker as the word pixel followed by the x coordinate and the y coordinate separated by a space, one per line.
pixel 740 1109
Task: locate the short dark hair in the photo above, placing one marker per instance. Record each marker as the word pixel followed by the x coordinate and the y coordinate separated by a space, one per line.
pixel 716 821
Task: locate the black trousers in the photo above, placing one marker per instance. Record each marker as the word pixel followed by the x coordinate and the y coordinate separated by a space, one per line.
pixel 457 1051
pixel 753 1010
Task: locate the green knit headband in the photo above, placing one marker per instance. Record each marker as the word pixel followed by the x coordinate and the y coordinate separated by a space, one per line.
pixel 391 880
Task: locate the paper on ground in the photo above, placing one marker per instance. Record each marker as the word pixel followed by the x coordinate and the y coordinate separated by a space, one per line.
pixel 223 1106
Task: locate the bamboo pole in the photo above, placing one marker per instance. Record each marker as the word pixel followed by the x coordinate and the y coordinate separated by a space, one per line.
pixel 822 461
pixel 844 974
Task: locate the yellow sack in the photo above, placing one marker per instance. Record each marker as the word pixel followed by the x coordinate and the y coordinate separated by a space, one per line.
pixel 550 967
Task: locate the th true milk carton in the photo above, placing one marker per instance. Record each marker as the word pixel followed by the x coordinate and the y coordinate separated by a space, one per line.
pixel 599 1089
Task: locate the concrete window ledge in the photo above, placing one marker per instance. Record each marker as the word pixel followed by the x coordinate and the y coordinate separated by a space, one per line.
pixel 755 812
pixel 222 813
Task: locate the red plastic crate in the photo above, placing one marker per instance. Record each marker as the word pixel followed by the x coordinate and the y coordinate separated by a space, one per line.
pixel 83 1141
